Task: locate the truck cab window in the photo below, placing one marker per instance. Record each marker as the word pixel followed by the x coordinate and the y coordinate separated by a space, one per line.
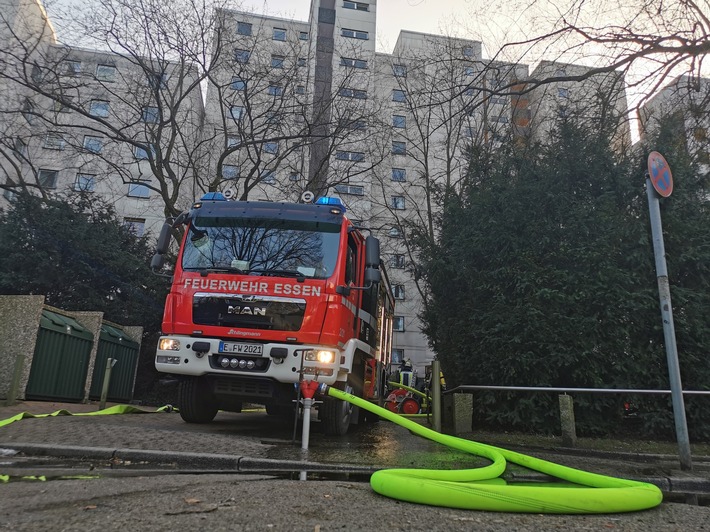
pixel 350 263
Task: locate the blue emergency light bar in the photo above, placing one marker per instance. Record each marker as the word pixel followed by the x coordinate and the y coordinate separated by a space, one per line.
pixel 334 202
pixel 213 196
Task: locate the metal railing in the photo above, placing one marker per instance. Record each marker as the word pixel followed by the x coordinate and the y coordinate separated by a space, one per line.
pixel 474 387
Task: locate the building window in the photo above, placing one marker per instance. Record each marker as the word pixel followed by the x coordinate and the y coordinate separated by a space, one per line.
pixel 399 121
pixel 397 203
pixel 106 73
pixel 241 55
pixel 360 6
pixel 99 108
pixel 469 71
pixel 397 356
pixel 353 93
pixel 354 156
pixel 28 111
pixel 37 75
pixel 268 177
pixel 347 123
pixel 156 80
pixel 399 95
pixel 301 62
pixel 399 174
pixel 232 142
pixel 398 291
pixel 277 61
pixel 54 141
pixel 236 112
pixel 279 34
pixel 398 324
pixel 138 190
pixel 9 195
pixel 93 144
pixel 85 182
pixel 47 178
pixel 397 261
pixel 230 171
pixel 353 63
pixel 468 92
pixel 353 190
pixel 303 35
pixel 399 147
pixel 294 176
pixel 399 71
pixel 275 90
pixel 562 92
pixel 300 89
pixel 135 225
pixel 395 232
pixel 354 34
pixel 468 132
pixel 271 147
pixel 62 106
pixel 141 153
pixel 150 115
pixel 243 28
pixel 238 84
pixel 467 51
pixel 20 148
pixel 71 68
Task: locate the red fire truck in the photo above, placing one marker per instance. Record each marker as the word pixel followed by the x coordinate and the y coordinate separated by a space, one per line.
pixel 265 295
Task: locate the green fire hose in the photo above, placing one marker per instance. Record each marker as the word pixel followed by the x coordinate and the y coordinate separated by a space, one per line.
pixel 483 489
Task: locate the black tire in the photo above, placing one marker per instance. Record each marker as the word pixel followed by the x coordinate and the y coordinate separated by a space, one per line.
pixel 196 401
pixel 335 414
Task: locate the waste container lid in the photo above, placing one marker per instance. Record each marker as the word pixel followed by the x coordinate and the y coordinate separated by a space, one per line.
pixel 64 324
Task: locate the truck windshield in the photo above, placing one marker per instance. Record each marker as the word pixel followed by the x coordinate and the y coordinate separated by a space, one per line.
pixel 262 247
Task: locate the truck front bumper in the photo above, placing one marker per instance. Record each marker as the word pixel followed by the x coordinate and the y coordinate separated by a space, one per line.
pixel 185 355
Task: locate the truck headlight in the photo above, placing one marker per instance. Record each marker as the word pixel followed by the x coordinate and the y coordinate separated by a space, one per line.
pixel 323 356
pixel 169 344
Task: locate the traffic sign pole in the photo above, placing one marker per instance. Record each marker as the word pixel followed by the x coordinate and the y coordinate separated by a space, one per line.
pixel 681 425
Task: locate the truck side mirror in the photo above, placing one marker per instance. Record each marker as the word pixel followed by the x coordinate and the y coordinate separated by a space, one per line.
pixel 372 276
pixel 164 239
pixel 157 262
pixel 161 248
pixel 372 252
pixel 372 260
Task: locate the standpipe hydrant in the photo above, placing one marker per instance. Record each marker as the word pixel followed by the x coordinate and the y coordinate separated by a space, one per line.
pixel 308 390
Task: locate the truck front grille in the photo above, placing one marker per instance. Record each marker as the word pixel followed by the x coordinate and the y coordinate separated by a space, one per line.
pixel 248 312
pixel 244 387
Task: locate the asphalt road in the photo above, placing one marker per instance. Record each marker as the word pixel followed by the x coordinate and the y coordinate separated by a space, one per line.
pixel 146 466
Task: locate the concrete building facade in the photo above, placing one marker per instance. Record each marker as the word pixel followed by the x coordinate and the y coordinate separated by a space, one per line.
pixel 291 106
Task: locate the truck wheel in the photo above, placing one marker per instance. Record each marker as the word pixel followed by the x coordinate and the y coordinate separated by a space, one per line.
pixel 335 414
pixel 196 400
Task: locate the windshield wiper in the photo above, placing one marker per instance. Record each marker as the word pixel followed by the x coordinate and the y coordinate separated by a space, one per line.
pixel 286 273
pixel 223 269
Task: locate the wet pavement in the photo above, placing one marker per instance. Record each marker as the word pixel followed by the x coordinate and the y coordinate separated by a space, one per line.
pixel 152 471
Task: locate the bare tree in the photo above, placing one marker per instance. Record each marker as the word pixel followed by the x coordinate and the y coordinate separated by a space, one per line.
pixel 265 121
pixel 175 100
pixel 650 42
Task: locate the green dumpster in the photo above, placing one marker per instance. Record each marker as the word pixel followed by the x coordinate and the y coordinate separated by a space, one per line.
pixel 61 359
pixel 114 343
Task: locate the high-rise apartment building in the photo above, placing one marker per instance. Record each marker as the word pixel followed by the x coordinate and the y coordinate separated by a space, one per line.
pixel 289 106
pixel 685 101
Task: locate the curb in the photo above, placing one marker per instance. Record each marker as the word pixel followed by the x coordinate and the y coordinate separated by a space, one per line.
pixel 238 464
pixel 243 464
